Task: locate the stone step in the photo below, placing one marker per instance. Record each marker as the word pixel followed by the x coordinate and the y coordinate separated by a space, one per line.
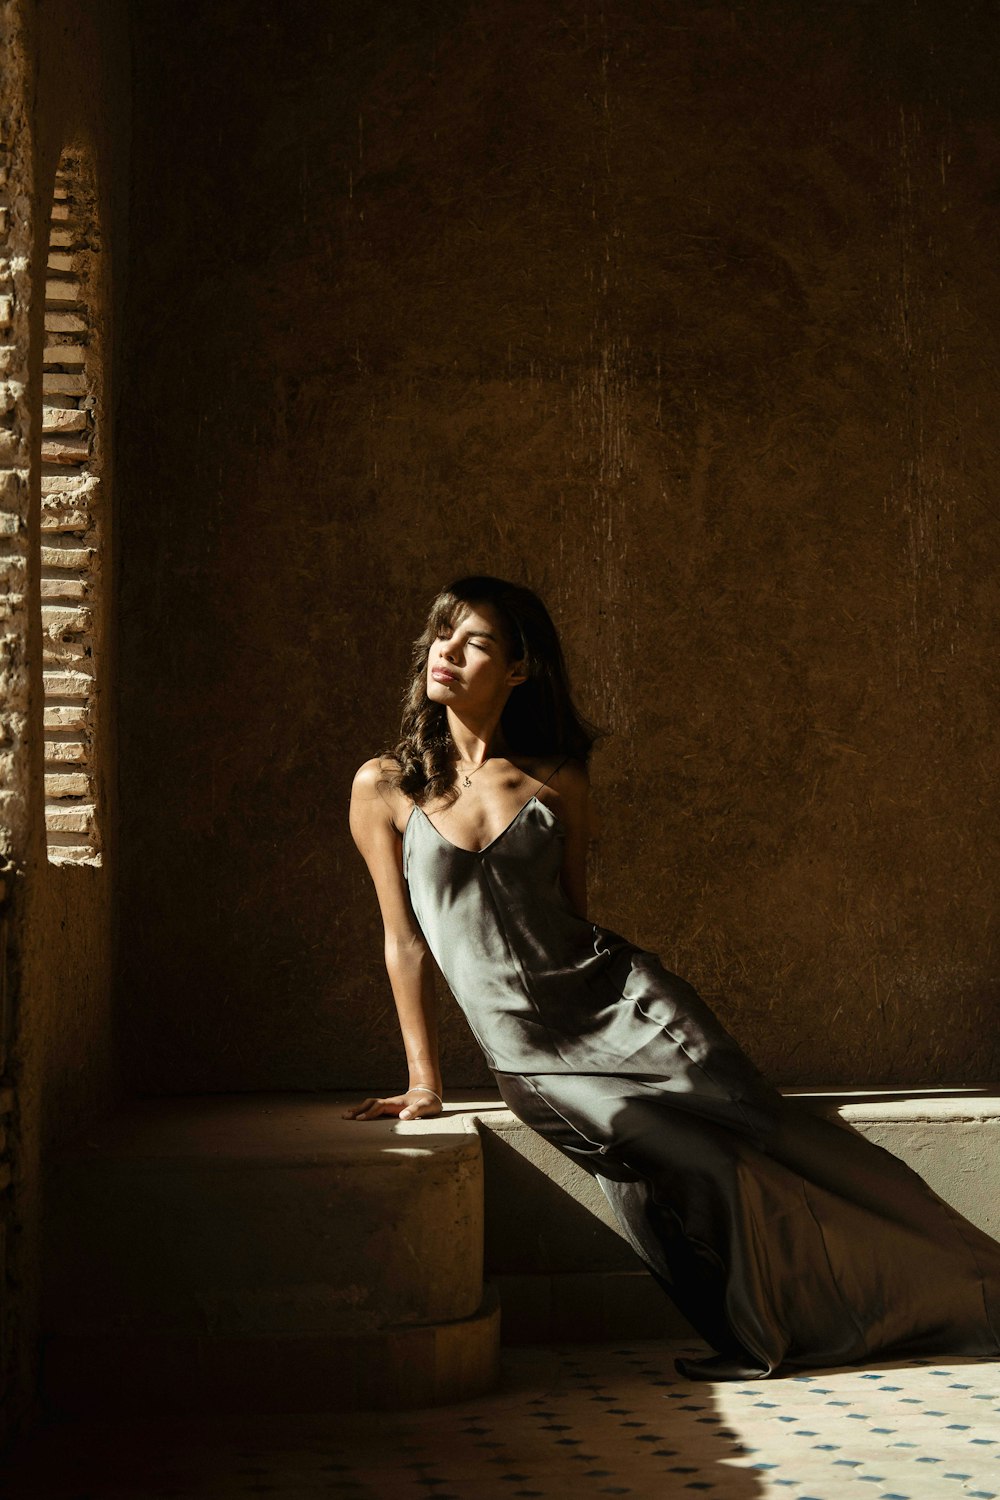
pixel 102 1373
pixel 247 1252
pixel 257 1252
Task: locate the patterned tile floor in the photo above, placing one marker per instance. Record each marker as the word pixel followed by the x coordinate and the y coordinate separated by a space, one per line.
pixel 568 1423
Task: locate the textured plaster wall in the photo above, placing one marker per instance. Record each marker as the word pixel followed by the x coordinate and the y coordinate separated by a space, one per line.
pixel 18 1147
pixel 688 316
pixel 82 102
pixel 57 952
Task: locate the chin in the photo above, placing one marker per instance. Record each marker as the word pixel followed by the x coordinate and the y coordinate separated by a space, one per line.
pixel 440 692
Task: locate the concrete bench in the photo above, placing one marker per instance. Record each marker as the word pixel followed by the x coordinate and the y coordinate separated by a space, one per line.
pixel 257 1252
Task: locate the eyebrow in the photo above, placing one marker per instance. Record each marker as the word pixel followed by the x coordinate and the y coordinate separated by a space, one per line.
pixel 485 634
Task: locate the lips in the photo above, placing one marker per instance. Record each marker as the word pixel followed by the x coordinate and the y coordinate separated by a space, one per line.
pixel 441 674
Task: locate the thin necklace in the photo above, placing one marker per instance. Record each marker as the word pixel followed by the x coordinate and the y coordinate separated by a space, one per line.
pixel 468 775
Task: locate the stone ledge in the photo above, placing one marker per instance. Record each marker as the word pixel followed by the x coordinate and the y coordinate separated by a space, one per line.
pixel 255 1215
pixel 563 1269
pixel 296 1129
pixel 237 1240
pixel 392 1369
pixel 904 1103
pixel 559 1261
pixel 951 1136
pixel 258 1252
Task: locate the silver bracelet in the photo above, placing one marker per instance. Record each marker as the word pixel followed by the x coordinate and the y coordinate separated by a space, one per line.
pixel 423 1089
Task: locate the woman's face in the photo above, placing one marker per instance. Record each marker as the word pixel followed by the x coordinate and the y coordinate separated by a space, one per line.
pixel 467 665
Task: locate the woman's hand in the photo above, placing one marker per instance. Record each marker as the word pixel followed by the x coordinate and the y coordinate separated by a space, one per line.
pixel 415 1104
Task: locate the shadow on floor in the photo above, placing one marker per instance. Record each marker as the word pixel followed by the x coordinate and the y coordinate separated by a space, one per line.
pixel 575 1421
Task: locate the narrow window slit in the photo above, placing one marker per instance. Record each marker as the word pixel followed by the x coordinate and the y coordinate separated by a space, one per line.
pixel 71 520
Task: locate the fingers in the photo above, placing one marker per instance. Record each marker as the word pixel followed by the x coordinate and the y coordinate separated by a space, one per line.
pixel 374 1109
pixel 371 1109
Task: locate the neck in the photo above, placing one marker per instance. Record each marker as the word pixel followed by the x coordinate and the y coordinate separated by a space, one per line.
pixel 475 740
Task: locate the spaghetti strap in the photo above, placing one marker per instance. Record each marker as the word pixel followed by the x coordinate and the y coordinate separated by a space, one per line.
pixel 555 772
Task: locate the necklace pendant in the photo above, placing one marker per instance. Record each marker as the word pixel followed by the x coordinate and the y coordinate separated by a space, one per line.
pixel 468 780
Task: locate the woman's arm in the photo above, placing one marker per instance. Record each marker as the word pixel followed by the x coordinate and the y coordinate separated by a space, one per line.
pixel 407 958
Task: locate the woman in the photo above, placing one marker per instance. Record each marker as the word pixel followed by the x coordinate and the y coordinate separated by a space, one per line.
pixel 785 1239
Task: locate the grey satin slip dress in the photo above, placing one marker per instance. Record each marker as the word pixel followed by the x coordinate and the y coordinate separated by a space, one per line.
pixel 786 1239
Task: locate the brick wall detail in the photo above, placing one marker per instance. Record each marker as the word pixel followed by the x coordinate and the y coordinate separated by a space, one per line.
pixel 16 180
pixel 70 486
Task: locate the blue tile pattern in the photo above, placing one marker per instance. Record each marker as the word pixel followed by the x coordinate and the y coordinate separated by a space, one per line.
pixel 568 1424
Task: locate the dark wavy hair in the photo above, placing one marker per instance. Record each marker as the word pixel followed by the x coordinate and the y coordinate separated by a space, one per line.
pixel 539 717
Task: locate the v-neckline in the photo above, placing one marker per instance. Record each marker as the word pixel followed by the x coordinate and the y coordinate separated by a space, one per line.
pixel 460 848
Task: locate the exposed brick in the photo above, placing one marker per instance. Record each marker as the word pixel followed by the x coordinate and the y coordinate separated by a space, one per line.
pixel 58 621
pixel 64 519
pixel 70 750
pixel 68 684
pixel 67 784
pixel 69 817
pixel 13 449
pixel 66 552
pixel 69 486
pixel 64 419
pixel 65 354
pixel 12 489
pixel 68 450
pixel 62 289
pixel 63 653
pixel 58 588
pixel 64 322
pixel 66 716
pixel 66 385
pixel 69 526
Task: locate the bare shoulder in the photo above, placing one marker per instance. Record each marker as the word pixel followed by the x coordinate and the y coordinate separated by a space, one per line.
pixel 371 779
pixel 375 799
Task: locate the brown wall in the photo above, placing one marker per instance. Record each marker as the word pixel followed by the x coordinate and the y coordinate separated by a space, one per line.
pixel 82 102
pixel 58 944
pixel 686 314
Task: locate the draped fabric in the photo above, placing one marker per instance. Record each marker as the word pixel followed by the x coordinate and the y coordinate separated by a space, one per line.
pixel 785 1238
